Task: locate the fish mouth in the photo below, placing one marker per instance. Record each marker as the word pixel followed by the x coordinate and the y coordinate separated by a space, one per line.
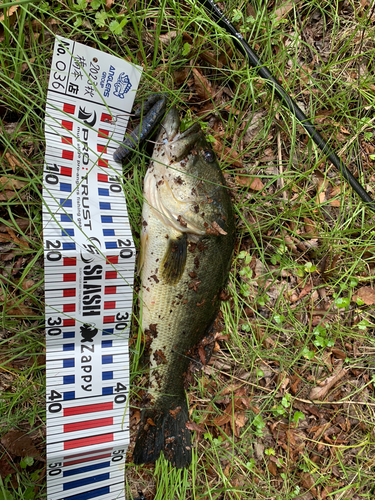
pixel 178 144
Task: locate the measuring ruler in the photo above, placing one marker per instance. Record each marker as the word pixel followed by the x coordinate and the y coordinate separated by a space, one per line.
pixel 89 269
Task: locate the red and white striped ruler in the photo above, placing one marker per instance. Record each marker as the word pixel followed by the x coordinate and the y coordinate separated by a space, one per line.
pixel 89 269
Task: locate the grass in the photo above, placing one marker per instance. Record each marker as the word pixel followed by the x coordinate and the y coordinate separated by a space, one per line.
pixel 305 243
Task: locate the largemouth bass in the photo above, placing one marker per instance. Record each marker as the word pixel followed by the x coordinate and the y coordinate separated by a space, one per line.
pixel 187 243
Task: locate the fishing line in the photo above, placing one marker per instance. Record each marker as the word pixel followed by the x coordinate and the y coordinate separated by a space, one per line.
pixel 288 102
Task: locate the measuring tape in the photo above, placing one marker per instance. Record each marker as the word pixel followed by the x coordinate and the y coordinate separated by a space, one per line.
pixel 89 269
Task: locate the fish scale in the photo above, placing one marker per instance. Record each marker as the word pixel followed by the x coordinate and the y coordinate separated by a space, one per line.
pixel 89 271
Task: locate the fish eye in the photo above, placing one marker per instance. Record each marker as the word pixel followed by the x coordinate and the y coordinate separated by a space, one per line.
pixel 208 155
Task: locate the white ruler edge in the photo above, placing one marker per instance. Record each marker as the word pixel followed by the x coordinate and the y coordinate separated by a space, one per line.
pixel 89 269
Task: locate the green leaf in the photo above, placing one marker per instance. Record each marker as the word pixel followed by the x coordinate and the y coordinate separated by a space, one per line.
pixel 279 318
pixel 96 4
pixel 306 353
pixel 236 15
pixel 186 49
pixel 286 400
pixel 29 493
pixel 298 416
pixel 25 462
pixel 310 268
pixel 242 254
pixel 342 302
pixel 81 5
pixel 362 325
pixel 101 18
pixel 116 27
pixel 269 452
pixel 250 464
pixel 6 495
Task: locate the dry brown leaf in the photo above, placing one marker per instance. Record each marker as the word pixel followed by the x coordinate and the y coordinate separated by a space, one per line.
pixel 24 66
pixel 253 183
pixel 4 238
pixel 272 467
pixel 283 11
pixel 6 195
pixel 338 353
pixel 240 419
pixel 9 13
pixel 218 229
pixel 13 161
pixel 202 86
pixel 226 154
pixel 295 382
pixel 319 393
pixel 22 243
pixel 108 4
pixel 11 183
pixel 367 294
pixel 27 284
pixel 19 224
pixel 192 426
pixel 167 38
pixel 308 483
pixel 19 444
pixel 180 77
pixel 20 310
pixel 305 290
pixel 211 58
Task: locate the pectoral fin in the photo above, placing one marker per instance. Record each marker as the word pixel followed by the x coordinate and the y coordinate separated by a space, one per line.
pixel 142 251
pixel 173 264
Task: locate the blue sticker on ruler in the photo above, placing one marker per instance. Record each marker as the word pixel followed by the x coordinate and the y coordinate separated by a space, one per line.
pixel 65 187
pixel 104 205
pixel 84 481
pixel 69 395
pixel 68 363
pixel 106 391
pixel 69 246
pixel 69 379
pixel 106 219
pixel 103 192
pixel 88 468
pixel 109 232
pixel 107 375
pixel 68 347
pixel 110 244
pixel 90 494
pixel 66 203
pixel 106 360
pixel 67 232
pixel 66 217
pixel 108 331
pixel 68 335
pixel 106 343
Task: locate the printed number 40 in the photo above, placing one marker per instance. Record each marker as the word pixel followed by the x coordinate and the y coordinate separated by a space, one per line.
pixel 54 407
pixel 120 398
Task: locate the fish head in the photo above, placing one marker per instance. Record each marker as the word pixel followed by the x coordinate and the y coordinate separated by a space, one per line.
pixel 181 147
pixel 184 185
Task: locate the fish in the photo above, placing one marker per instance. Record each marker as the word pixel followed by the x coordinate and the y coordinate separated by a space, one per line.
pixel 187 242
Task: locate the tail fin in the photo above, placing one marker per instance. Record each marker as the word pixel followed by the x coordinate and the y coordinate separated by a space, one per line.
pixel 163 430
